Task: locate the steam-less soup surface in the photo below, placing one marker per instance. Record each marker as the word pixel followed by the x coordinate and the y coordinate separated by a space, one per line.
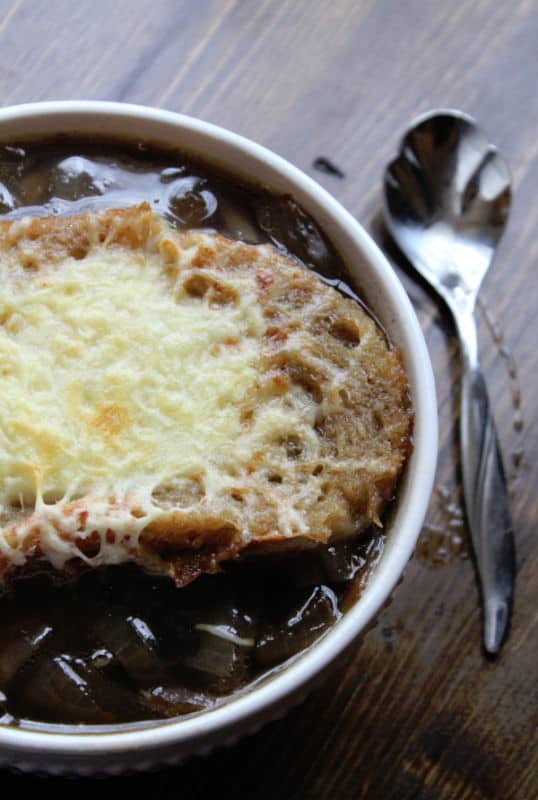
pixel 113 644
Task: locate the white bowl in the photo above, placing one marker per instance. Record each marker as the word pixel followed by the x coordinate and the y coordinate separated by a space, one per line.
pixel 167 742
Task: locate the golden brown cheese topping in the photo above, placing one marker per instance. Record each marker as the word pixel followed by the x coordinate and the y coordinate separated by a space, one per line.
pixel 174 398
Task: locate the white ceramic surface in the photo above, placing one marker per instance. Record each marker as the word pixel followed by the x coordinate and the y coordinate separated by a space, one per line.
pixel 168 742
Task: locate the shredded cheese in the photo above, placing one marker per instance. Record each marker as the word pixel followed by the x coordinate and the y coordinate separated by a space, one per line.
pixel 106 381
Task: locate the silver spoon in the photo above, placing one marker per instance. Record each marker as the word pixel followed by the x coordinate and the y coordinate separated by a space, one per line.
pixel 447 197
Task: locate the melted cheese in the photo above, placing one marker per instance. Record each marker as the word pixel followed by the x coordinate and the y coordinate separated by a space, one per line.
pixel 110 386
pixel 156 392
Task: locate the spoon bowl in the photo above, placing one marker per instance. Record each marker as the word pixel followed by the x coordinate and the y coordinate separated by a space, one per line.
pixel 447 201
pixel 447 198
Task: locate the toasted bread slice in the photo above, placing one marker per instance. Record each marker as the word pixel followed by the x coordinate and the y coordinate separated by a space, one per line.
pixel 177 398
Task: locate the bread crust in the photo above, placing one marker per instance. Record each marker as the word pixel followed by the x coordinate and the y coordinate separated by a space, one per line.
pixel 317 345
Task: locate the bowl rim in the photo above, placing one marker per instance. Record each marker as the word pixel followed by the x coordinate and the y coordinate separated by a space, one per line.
pixel 419 479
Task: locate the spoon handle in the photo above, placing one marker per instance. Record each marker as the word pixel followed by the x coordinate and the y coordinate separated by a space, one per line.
pixel 486 496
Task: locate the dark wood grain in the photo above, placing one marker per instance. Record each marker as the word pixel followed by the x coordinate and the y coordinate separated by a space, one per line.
pixel 417 712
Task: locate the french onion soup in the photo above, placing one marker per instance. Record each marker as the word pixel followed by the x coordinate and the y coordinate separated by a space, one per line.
pixel 201 429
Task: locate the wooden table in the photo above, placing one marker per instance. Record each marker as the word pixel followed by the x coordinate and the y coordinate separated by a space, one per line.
pixel 418 713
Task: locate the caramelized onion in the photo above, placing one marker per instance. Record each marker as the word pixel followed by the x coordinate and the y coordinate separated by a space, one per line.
pixel 132 643
pixel 171 702
pixel 19 649
pixel 307 621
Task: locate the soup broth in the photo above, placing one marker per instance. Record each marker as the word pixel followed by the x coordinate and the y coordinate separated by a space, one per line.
pixel 114 645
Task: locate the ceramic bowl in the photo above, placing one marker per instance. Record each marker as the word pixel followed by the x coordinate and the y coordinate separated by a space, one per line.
pixel 146 745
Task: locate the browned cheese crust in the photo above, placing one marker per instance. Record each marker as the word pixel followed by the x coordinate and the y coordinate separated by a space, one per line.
pixel 363 419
